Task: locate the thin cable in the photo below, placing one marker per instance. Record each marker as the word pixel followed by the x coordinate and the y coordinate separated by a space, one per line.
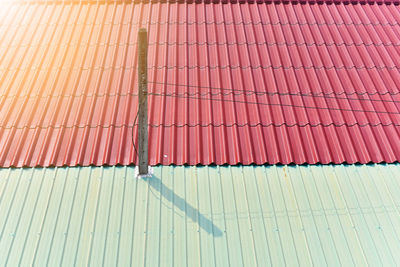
pixel 249 92
pixel 29 127
pixel 279 104
pixel 234 92
pixel 228 92
pixel 134 123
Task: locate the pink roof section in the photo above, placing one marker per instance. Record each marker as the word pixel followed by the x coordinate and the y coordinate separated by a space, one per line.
pixel 346 2
pixel 230 83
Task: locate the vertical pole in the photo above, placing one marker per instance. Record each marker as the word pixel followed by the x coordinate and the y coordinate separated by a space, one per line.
pixel 142 78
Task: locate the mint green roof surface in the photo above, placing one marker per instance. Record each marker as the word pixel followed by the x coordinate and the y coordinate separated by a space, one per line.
pixel 201 216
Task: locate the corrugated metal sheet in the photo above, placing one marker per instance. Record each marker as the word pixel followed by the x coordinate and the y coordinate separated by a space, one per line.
pixel 201 216
pixel 68 83
pixel 347 2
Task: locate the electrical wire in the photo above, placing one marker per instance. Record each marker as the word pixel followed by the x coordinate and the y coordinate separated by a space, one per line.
pixel 276 104
pixel 243 90
pixel 134 123
pixel 278 93
pixel 187 95
pixel 235 92
pixel 251 92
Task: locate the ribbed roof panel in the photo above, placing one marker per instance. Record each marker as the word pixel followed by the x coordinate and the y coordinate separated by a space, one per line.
pixel 229 84
pixel 201 216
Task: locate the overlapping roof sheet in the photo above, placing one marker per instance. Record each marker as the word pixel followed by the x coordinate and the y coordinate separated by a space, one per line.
pixel 228 83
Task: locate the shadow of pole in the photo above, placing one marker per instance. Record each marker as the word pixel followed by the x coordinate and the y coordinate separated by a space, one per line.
pixel 191 212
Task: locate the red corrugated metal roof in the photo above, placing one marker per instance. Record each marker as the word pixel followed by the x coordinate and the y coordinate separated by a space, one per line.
pixel 68 85
pixel 347 2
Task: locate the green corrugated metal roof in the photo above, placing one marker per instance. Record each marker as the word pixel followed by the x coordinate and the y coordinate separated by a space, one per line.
pixel 192 216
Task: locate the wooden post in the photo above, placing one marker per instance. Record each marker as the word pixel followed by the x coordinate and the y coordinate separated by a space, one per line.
pixel 142 78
